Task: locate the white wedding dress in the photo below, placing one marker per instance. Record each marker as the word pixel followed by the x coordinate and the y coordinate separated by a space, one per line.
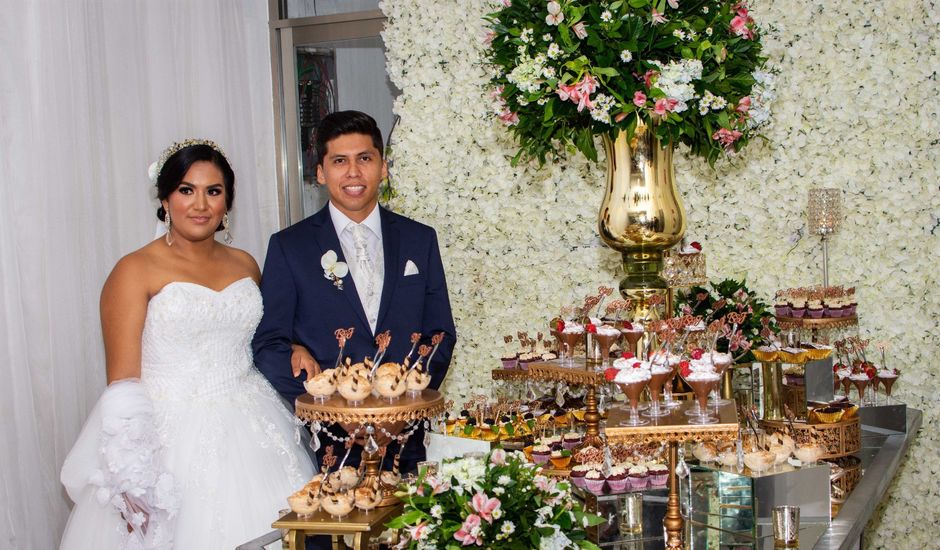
pixel 229 443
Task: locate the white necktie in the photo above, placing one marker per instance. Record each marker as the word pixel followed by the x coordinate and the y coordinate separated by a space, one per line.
pixel 365 274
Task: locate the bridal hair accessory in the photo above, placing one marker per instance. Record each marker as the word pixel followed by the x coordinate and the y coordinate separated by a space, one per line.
pixel 226 224
pixel 333 269
pixel 167 223
pixel 154 170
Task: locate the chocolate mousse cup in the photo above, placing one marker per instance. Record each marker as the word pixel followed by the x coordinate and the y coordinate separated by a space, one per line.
pixel 569 341
pixel 656 388
pixel 701 389
pixel 633 391
pixel 860 385
pixel 605 342
pixel 632 337
pixel 888 382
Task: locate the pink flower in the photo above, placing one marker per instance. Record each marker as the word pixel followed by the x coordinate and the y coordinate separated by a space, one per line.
pixel 567 92
pixel 639 99
pixel 648 77
pixel 488 38
pixel 586 87
pixel 620 117
pixel 579 30
pixel 674 4
pixel 740 24
pixel 469 532
pixel 665 105
pixel 420 531
pixel 509 118
pixel 658 18
pixel 507 3
pixel 497 94
pixel 437 486
pixel 726 138
pixel 544 484
pixel 486 507
pixel 744 105
pixel 555 15
pixel 498 457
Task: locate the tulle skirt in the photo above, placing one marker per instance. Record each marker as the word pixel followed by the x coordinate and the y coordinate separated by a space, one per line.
pixel 235 457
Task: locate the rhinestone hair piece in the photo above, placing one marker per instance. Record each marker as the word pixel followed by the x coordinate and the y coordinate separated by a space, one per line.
pixel 157 166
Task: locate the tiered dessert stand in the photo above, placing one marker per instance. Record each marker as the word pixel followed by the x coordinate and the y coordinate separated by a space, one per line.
pixel 673 430
pixel 581 374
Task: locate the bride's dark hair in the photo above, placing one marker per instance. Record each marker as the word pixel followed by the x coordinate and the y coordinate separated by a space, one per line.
pixel 176 166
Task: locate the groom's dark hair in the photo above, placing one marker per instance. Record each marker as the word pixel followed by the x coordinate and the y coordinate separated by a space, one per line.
pixel 341 123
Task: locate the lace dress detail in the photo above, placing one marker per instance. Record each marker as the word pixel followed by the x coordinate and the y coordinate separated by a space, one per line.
pixel 228 439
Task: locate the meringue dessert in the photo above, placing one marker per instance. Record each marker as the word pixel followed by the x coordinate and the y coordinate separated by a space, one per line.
pixel 338 505
pixel 322 385
pixel 417 381
pixel 354 389
pixel 759 461
pixel 302 504
pixel 367 498
pixel 390 386
pixel 389 478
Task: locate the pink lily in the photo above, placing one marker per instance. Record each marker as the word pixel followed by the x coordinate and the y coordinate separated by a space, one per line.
pixel 639 99
pixel 579 30
pixel 648 77
pixel 509 118
pixel 420 531
pixel 665 105
pixel 567 92
pixel 498 457
pixel 658 18
pixel 486 507
pixel 744 105
pixel 726 138
pixel 469 532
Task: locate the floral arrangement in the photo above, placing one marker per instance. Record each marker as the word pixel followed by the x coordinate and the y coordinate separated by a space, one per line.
pixel 567 70
pixel 497 501
pixel 754 323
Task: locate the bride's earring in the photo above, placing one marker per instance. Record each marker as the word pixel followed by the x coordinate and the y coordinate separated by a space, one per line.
pixel 227 226
pixel 168 224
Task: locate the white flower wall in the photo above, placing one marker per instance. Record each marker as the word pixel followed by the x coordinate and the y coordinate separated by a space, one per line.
pixel 857 109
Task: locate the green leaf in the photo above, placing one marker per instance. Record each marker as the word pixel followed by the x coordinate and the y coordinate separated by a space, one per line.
pixel 638 3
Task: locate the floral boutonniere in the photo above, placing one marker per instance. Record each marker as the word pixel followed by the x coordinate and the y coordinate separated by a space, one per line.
pixel 333 269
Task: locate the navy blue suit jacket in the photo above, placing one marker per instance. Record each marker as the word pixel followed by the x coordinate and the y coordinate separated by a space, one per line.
pixel 304 307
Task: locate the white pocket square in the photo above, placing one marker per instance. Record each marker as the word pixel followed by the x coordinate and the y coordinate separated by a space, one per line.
pixel 410 268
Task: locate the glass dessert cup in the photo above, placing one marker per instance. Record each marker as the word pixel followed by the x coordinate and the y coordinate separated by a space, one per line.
pixel 632 391
pixel 713 398
pixel 656 409
pixel 888 382
pixel 701 389
pixel 846 386
pixel 836 382
pixel 605 341
pixel 860 386
pixel 569 340
pixel 669 401
pixel 632 337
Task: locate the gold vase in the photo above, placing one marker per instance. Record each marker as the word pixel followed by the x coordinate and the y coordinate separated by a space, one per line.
pixel 641 215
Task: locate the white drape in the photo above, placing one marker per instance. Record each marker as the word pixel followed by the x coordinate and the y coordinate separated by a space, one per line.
pixel 90 93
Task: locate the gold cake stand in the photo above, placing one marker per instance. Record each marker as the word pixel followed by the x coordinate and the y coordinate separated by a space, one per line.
pixel 673 429
pixel 510 374
pixel 374 411
pixel 579 374
pixel 772 374
pixel 363 526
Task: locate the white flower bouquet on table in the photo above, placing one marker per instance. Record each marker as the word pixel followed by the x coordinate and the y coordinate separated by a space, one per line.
pixel 568 70
pixel 500 501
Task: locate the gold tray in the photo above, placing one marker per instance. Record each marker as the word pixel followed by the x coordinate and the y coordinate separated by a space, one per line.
pixel 372 410
pixel 555 371
pixel 510 374
pixel 800 358
pixel 822 323
pixel 839 439
pixel 674 427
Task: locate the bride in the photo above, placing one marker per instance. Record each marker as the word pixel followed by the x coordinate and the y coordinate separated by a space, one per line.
pixel 188 447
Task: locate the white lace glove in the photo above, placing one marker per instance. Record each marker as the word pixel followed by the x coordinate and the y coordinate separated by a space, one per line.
pixel 132 476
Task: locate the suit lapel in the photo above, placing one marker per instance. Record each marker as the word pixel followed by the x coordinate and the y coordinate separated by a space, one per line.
pixel 328 240
pixel 390 243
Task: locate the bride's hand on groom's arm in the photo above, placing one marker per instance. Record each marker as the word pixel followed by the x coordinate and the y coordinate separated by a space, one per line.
pixel 301 360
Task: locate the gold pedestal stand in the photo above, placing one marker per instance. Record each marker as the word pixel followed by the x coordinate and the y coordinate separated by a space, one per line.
pixel 579 374
pixel 673 429
pixel 772 375
pixel 374 411
pixel 363 526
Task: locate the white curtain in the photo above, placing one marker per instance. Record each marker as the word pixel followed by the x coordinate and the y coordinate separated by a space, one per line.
pixel 90 93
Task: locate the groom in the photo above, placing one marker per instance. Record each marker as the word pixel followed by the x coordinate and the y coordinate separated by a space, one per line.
pixel 395 279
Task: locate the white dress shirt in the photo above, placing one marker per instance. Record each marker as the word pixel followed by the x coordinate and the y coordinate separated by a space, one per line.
pixel 364 281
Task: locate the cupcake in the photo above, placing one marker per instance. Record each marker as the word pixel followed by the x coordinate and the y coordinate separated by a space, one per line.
pixel 639 477
pixel 541 454
pixel 510 361
pixel 618 479
pixel 797 306
pixel 571 440
pixel 560 459
pixel 594 482
pixel 815 309
pixel 658 474
pixel 577 474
